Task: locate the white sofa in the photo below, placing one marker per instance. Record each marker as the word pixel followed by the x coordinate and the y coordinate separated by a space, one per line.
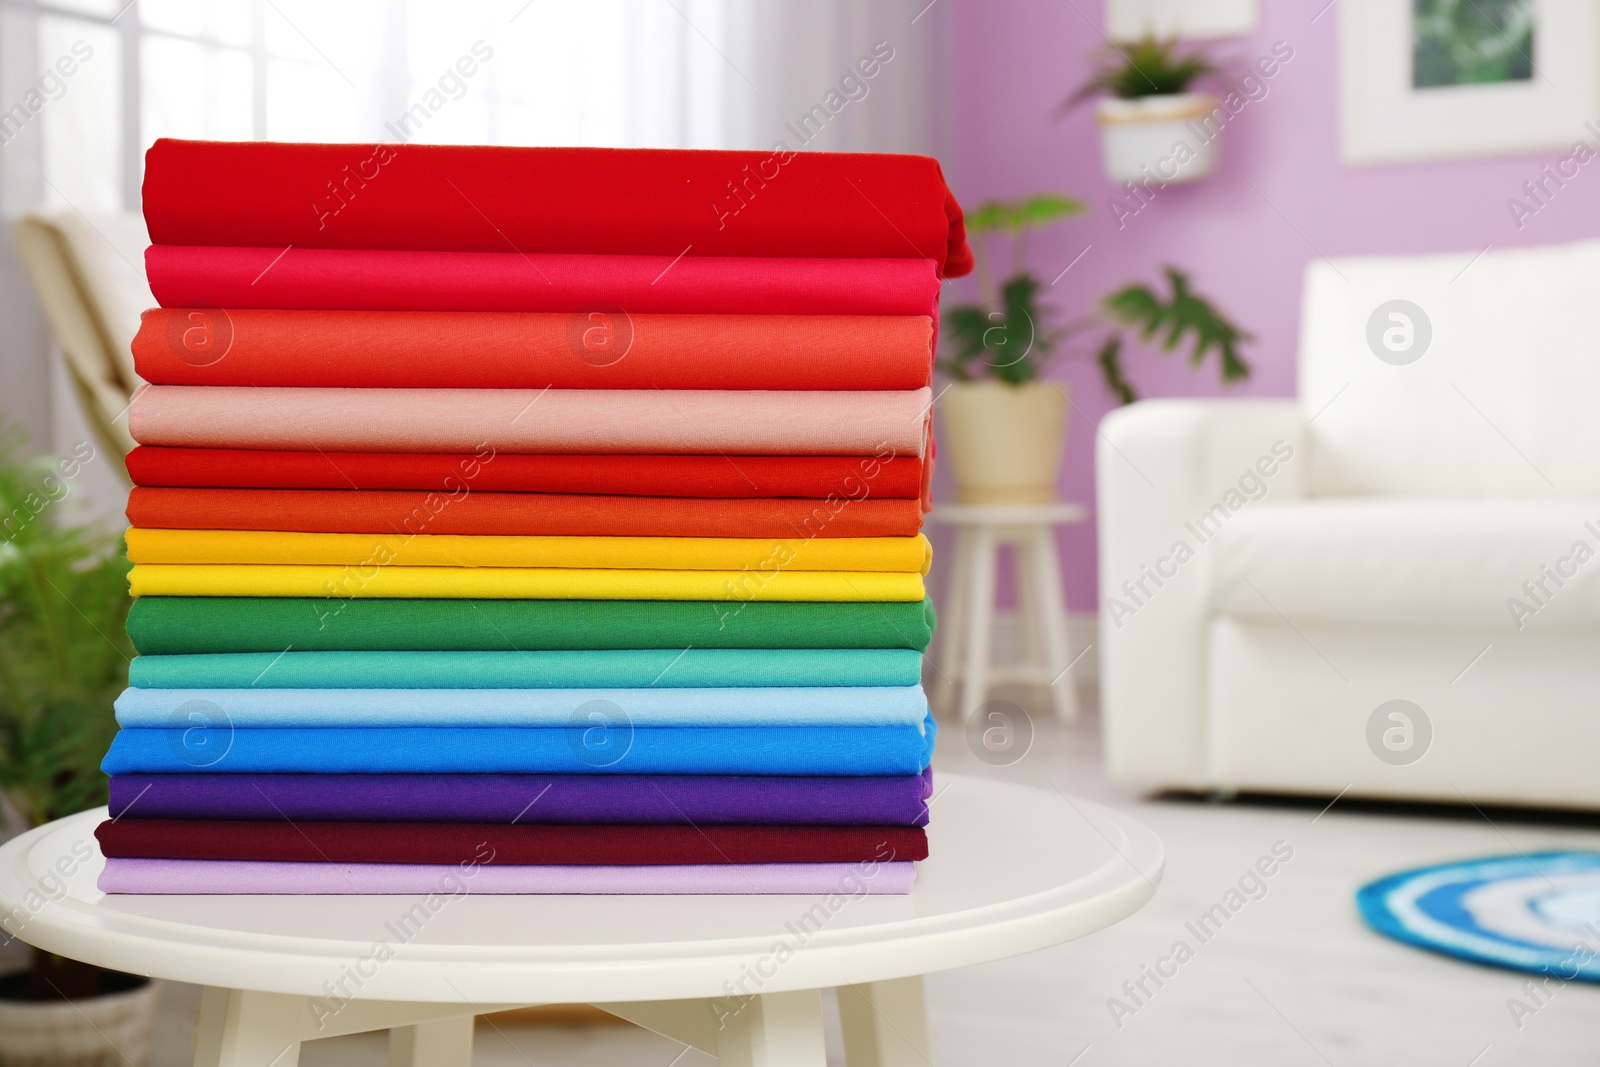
pixel 1274 571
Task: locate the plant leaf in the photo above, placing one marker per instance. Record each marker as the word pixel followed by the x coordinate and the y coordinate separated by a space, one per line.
pixel 1136 69
pixel 989 216
pixel 63 649
pixel 1183 317
pixel 1036 212
pixel 1043 209
pixel 1010 344
pixel 1110 359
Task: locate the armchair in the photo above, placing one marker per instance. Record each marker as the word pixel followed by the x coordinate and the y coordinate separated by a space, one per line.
pixel 1390 585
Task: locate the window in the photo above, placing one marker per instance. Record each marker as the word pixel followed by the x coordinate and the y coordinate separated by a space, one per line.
pixel 604 72
pixel 86 85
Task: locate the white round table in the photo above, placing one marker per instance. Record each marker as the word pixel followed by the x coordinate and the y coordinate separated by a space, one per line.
pixel 1011 870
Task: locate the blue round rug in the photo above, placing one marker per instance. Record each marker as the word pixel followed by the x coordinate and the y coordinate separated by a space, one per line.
pixel 1538 913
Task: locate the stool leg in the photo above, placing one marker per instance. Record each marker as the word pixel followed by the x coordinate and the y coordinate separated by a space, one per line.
pixel 1053 622
pixel 442 1043
pixel 885 1024
pixel 1025 576
pixel 244 1029
pixel 952 619
pixel 979 623
pixel 774 1030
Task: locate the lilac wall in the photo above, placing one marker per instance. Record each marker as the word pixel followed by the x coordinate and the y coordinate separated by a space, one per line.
pixel 1014 59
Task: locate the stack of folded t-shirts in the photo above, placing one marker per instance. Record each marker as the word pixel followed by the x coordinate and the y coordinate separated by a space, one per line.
pixel 530 521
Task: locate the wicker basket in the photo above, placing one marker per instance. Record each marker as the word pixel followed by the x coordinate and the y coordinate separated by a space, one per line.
pixel 107 1031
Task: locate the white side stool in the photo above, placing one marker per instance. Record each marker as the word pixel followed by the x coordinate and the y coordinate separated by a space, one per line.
pixel 966 620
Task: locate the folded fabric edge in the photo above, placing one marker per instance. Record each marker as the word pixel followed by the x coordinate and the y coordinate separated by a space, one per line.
pixel 672 668
pixel 244 877
pixel 526 708
pixel 208 547
pixel 521 583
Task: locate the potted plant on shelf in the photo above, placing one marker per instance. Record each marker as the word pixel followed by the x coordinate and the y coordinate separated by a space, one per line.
pixel 1147 109
pixel 63 660
pixel 1004 426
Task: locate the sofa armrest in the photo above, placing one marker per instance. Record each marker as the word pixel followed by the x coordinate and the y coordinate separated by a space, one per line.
pixel 1169 475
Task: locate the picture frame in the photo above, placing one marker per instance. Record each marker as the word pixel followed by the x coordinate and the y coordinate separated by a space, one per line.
pixel 1129 20
pixel 1432 79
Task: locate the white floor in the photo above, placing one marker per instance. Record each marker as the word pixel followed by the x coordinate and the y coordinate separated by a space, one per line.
pixel 1293 978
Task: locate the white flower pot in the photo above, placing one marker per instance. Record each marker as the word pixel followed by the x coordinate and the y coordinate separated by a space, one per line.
pixel 107 1031
pixel 1004 441
pixel 1164 138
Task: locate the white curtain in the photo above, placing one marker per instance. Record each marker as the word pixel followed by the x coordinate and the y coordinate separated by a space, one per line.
pixel 840 75
pixel 655 73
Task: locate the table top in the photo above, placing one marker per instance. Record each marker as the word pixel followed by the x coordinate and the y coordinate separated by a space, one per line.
pixel 1011 870
pixel 1009 514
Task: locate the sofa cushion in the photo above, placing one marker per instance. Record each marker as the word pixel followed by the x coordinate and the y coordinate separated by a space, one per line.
pixel 1502 400
pixel 1503 563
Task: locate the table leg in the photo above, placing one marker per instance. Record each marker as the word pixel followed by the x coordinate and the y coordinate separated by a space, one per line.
pixel 244 1029
pixel 774 1030
pixel 1053 619
pixel 979 622
pixel 693 1022
pixel 441 1043
pixel 885 1024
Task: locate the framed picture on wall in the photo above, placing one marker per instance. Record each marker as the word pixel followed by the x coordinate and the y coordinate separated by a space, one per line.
pixel 1129 20
pixel 1435 79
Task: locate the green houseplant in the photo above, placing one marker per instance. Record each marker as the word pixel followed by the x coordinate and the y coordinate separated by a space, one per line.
pixel 1004 425
pixel 1143 68
pixel 1152 119
pixel 63 660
